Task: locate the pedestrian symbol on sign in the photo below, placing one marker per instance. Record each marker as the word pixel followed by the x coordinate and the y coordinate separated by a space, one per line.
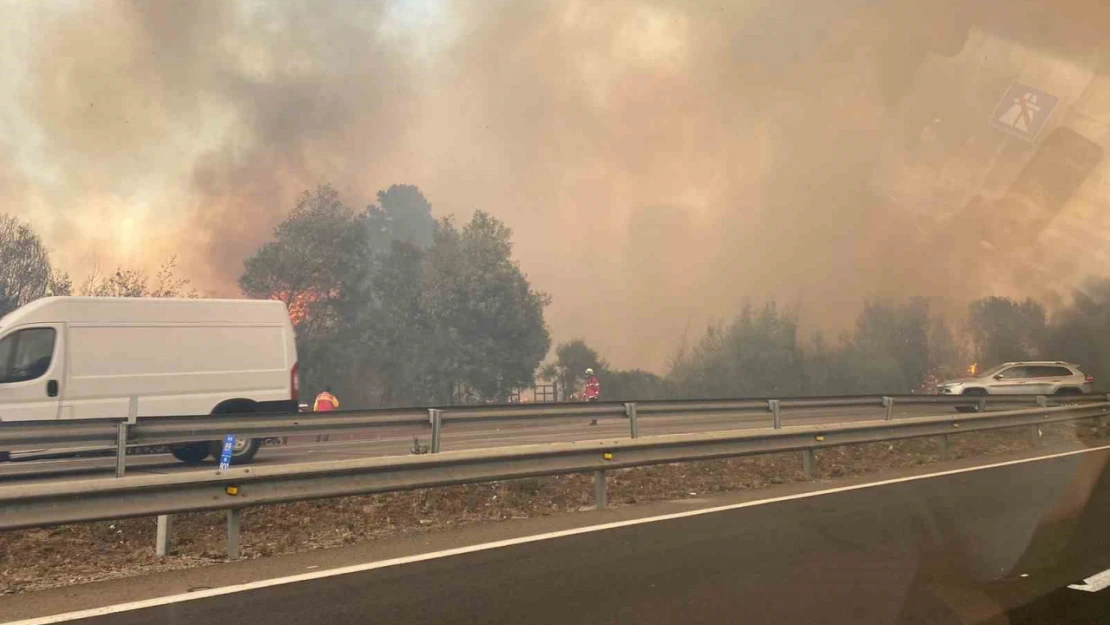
pixel 1024 110
pixel 1021 115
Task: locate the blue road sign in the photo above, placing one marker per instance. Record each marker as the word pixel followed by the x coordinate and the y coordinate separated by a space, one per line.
pixel 225 454
pixel 1024 111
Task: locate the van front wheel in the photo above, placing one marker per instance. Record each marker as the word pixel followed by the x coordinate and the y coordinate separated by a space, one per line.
pixel 242 453
pixel 191 454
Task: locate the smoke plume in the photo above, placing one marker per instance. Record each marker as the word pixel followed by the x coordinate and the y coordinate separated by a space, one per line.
pixel 660 161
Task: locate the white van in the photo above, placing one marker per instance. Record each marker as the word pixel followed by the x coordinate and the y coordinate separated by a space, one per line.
pixel 85 357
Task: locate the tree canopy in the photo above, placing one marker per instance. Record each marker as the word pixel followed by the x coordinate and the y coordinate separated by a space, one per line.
pixel 25 270
pixel 390 316
pixel 135 283
pixel 1006 330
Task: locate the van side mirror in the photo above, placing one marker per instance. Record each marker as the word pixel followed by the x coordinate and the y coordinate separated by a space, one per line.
pixel 999 376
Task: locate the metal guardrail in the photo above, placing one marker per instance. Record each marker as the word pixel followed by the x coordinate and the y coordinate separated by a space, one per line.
pixel 140 431
pixel 119 434
pixel 35 505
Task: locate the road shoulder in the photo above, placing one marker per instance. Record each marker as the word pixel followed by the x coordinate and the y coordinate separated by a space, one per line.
pixel 162 584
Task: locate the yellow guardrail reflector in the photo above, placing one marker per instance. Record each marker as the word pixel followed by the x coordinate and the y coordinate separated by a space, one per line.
pixel 820 438
pixel 232 490
pixel 607 456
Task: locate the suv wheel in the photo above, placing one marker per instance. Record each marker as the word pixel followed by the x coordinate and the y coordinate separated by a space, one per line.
pixel 971 392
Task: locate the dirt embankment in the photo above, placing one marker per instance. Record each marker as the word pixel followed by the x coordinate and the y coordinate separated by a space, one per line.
pixel 73 554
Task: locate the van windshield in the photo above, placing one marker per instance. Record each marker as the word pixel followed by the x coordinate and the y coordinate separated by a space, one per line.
pixel 26 354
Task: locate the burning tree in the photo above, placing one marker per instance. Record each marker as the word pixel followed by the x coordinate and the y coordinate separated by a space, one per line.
pixel 308 262
pixel 299 304
pixel 407 323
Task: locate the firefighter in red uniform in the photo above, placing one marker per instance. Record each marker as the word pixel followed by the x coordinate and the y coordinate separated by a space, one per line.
pixel 593 386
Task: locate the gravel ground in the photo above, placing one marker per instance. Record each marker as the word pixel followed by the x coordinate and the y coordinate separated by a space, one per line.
pixel 74 554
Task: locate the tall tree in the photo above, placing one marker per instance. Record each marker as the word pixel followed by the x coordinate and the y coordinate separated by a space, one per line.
pixel 404 323
pixel 312 257
pixel 1004 330
pixel 485 320
pixel 309 259
pixel 382 317
pixel 402 214
pixel 25 271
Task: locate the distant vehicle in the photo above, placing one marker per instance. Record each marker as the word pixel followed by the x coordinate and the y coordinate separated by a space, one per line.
pixel 86 357
pixel 1023 378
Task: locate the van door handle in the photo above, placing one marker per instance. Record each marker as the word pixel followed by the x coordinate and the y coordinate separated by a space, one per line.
pixel 52 388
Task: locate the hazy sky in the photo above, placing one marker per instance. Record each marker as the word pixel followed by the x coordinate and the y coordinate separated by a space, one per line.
pixel 659 161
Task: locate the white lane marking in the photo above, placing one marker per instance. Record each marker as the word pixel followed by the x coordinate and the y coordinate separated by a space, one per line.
pixel 1094 583
pixel 381 564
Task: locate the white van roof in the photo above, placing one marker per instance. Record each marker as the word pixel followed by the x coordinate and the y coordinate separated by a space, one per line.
pixel 146 309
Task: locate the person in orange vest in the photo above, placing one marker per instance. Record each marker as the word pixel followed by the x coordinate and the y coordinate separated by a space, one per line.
pixel 325 401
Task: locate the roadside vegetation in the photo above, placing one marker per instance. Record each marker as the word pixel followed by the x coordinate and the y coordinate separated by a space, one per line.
pixel 393 307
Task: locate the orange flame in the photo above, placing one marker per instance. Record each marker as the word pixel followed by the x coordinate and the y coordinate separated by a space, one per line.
pixel 298 304
pixel 973 368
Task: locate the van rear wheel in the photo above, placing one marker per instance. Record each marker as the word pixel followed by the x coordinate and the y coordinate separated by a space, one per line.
pixel 245 448
pixel 191 454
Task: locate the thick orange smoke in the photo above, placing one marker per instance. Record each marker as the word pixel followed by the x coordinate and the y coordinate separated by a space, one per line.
pixel 660 161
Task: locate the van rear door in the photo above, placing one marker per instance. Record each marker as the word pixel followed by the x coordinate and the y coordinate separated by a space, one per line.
pixel 31 372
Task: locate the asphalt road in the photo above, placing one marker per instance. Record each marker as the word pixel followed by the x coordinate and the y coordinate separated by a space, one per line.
pixel 457 436
pixel 994 546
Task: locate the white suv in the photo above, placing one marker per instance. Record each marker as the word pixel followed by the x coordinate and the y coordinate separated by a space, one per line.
pixel 1023 378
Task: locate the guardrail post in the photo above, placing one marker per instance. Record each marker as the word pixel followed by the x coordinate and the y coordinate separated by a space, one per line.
pixel 233 533
pixel 121 435
pixel 773 406
pixel 944 453
pixel 1035 430
pixel 1100 421
pixel 600 498
pixel 809 462
pixel 165 534
pixel 437 428
pixel 888 403
pixel 633 424
pixel 121 448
